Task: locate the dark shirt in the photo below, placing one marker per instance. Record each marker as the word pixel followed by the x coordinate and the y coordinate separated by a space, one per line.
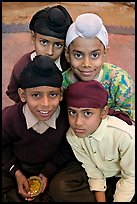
pixel 23 147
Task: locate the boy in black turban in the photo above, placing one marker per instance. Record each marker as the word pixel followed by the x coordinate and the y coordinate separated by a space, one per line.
pixel 48 29
pixel 34 132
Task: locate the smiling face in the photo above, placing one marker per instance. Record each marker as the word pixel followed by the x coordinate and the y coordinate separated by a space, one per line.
pixel 85 121
pixel 86 57
pixel 47 45
pixel 42 101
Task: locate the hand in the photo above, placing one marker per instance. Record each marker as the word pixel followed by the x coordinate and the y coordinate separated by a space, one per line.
pixel 100 196
pixel 23 187
pixel 45 181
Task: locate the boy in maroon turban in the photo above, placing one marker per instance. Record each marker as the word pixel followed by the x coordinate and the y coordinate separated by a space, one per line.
pixel 104 144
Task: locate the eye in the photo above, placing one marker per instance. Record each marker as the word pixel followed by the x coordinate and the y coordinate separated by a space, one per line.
pixel 95 55
pixel 78 55
pixel 59 45
pixel 53 95
pixel 36 95
pixel 71 112
pixel 87 113
pixel 44 42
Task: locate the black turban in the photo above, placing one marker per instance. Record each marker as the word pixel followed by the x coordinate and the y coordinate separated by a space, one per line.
pixel 51 21
pixel 42 71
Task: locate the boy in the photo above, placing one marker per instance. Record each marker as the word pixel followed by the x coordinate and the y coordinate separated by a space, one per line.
pixel 105 145
pixel 87 42
pixel 48 30
pixel 33 131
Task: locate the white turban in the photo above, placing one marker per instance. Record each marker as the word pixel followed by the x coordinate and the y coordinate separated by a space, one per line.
pixel 87 25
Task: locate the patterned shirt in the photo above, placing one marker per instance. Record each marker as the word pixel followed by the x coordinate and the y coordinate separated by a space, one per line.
pixel 117 82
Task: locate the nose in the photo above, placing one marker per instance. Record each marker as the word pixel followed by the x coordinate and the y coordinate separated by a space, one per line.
pixel 78 120
pixel 45 101
pixel 49 50
pixel 86 62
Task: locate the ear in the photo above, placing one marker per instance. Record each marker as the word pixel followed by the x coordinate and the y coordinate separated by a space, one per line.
pixel 61 94
pixel 33 35
pixel 104 54
pixel 67 54
pixel 22 95
pixel 104 112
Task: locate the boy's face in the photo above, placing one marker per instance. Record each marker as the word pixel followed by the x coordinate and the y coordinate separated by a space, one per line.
pixel 42 101
pixel 86 57
pixel 85 121
pixel 47 45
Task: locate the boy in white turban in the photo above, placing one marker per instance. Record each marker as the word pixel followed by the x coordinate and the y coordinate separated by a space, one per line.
pixel 87 42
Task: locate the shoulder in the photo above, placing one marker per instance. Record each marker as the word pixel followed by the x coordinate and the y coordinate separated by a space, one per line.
pixel 25 59
pixel 10 113
pixel 121 126
pixel 115 70
pixel 117 75
pixel 66 73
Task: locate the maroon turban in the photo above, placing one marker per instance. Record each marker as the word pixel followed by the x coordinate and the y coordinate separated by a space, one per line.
pixel 91 94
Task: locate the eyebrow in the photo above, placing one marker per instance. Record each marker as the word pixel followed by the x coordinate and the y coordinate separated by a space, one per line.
pixel 96 50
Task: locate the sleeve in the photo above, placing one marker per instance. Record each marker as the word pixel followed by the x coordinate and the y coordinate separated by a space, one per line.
pixel 125 188
pixel 63 155
pixel 96 180
pixel 12 89
pixel 123 92
pixel 8 159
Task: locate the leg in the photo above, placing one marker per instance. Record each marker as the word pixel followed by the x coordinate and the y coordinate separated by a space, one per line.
pixel 71 185
pixel 9 189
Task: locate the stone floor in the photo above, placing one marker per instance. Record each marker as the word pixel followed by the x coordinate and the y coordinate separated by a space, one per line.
pixel 119 19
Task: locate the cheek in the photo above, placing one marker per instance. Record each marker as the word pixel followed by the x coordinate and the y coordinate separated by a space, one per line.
pixel 58 51
pixel 74 63
pixel 71 121
pixel 55 103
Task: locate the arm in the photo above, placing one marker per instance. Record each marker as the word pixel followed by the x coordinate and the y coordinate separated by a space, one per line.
pixel 121 89
pixel 63 155
pixel 84 153
pixel 125 188
pixel 12 89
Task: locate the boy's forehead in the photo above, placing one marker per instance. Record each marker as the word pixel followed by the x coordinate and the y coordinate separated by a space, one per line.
pixel 43 89
pixel 86 44
pixel 49 38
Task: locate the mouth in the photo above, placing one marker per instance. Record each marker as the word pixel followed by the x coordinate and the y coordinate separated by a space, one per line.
pixel 78 130
pixel 86 73
pixel 44 113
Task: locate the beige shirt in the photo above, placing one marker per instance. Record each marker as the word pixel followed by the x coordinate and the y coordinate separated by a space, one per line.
pixel 109 151
pixel 39 126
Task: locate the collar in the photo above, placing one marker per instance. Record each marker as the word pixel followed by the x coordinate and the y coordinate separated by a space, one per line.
pixel 99 134
pixel 31 120
pixel 57 61
pixel 33 55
